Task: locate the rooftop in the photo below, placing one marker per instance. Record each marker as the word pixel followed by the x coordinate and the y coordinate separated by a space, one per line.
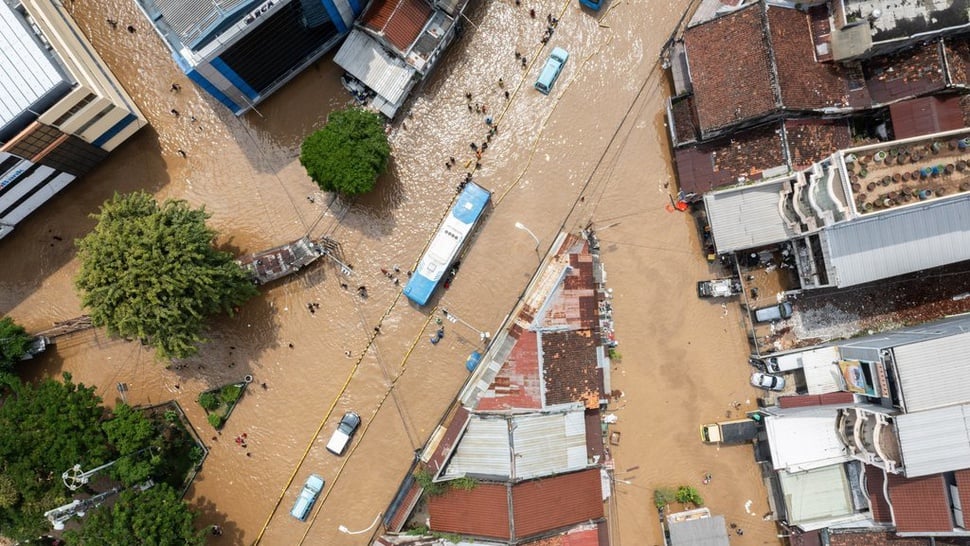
pixel 586 534
pixel 745 155
pixel 191 23
pixel 812 140
pixel 920 504
pixel 399 21
pixel 926 116
pixel 747 217
pixel 818 497
pixel 913 72
pixel 536 506
pixel 804 438
pixel 729 92
pixel 933 373
pixel 804 82
pixel 934 441
pixel 893 20
pixel 707 531
pixel 29 72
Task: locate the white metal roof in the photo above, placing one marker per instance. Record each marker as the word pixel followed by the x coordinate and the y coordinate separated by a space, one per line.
pixel 822 374
pixel 27 70
pixel 365 59
pixel 934 441
pixel 896 242
pixel 747 217
pixel 541 444
pixel 934 373
pixel 709 531
pixel 818 495
pixel 804 439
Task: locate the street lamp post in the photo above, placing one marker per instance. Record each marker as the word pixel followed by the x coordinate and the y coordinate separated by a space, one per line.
pixel 484 336
pixel 520 225
pixel 347 531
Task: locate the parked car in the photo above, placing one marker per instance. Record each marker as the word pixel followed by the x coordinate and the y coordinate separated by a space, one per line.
pixel 308 496
pixel 554 64
pixel 768 381
pixel 345 431
pixel 775 312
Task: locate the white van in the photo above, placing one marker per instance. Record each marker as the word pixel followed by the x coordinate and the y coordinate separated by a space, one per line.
pixel 345 431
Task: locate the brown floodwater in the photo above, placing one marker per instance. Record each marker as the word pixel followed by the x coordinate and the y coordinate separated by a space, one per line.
pixel 599 135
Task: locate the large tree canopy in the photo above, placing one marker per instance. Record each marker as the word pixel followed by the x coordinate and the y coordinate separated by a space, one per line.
pixel 14 342
pixel 154 517
pixel 150 272
pixel 348 154
pixel 130 432
pixel 44 430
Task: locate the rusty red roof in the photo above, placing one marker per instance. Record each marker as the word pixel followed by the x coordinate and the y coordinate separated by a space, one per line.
pixel 839 537
pixel 911 73
pixel 729 92
pixel 703 167
pixel 804 400
pixel 878 506
pixel 594 435
pixel 537 506
pixel 556 502
pixel 804 82
pixel 926 115
pixel 482 511
pixel 518 383
pixel 957 51
pixel 399 21
pixel 449 440
pixel 920 504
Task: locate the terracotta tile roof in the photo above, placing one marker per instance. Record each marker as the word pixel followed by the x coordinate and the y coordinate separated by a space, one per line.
pixel 804 82
pixel 963 486
pixel 569 368
pixel 926 115
pixel 404 509
pixel 805 400
pixel 811 140
pixel 538 506
pixel 482 511
pixel 957 51
pixel 879 507
pixel 517 384
pixel 811 538
pixel 873 538
pixel 920 504
pixel 553 503
pixel 399 21
pixel 703 167
pixel 730 92
pixel 911 73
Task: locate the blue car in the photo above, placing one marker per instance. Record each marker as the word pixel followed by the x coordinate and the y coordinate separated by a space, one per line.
pixel 594 5
pixel 554 64
pixel 308 496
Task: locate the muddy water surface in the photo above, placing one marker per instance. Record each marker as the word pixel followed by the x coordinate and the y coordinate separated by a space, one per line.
pixel 592 150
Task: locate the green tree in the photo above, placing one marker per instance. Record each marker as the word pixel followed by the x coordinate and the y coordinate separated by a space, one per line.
pixel 14 342
pixel 150 272
pixel 45 429
pixel 130 432
pixel 348 153
pixel 156 517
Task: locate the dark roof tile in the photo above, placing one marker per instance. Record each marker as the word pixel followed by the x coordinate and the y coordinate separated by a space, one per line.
pixel 926 115
pixel 813 140
pixel 729 92
pixel 569 368
pixel 703 167
pixel 911 73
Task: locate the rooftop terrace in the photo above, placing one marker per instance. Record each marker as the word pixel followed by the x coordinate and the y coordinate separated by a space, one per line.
pixel 894 19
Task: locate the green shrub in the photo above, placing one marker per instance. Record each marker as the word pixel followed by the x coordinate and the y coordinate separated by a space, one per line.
pixel 464 484
pixel 688 495
pixel 426 481
pixel 208 401
pixel 663 496
pixel 171 416
pixel 230 393
pixel 215 420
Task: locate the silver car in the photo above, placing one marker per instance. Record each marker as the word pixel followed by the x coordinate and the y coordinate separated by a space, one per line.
pixel 768 381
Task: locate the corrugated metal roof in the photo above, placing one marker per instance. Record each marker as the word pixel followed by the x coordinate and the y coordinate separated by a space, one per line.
pixel 900 241
pixel 747 217
pixel 369 62
pixel 805 438
pixel 542 444
pixel 399 21
pixel 822 375
pixel 699 532
pixel 934 441
pixel 27 69
pixel 933 373
pixel 190 19
pixel 816 495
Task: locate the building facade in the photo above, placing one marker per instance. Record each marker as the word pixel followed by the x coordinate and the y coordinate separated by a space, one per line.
pixel 241 51
pixel 61 109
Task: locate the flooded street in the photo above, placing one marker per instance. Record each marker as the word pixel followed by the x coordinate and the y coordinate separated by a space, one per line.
pixel 594 149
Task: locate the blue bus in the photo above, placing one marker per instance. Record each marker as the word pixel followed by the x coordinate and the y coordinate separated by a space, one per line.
pixel 447 243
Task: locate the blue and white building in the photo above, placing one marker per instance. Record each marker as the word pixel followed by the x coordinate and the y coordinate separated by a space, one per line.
pixel 241 51
pixel 61 109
